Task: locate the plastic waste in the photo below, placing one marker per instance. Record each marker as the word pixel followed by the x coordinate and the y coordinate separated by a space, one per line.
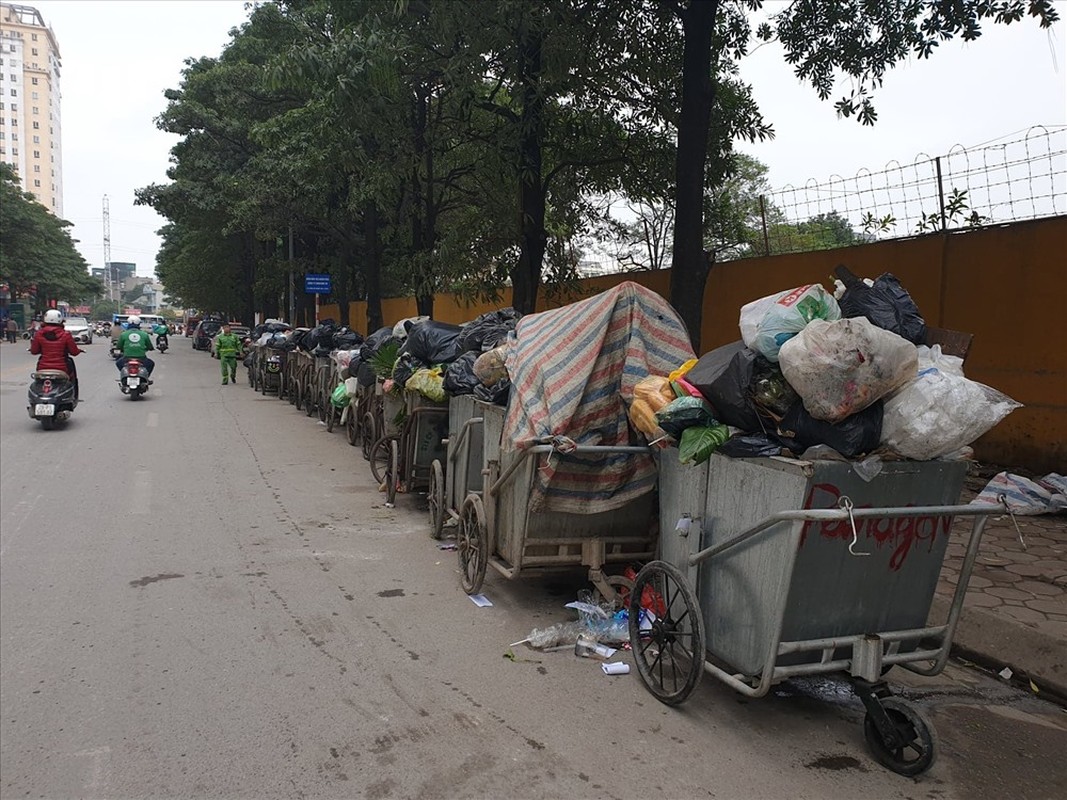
pixel 490 367
pixel 750 446
pixel 340 396
pixel 839 368
pixel 429 383
pixel 884 302
pixel 851 437
pixel 698 443
pixel 655 390
pixel 724 376
pixel 433 342
pixel 488 330
pixel 459 377
pixel 766 324
pixel 939 412
pixel 685 412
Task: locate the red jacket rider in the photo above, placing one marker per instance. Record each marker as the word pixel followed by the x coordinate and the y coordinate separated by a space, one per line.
pixel 54 345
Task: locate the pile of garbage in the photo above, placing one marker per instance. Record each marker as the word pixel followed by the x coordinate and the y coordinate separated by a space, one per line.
pixel 820 375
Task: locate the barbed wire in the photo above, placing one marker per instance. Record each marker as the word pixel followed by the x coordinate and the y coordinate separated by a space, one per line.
pixel 1021 179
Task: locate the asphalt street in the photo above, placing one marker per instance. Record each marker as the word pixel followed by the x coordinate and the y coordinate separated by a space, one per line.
pixel 203 595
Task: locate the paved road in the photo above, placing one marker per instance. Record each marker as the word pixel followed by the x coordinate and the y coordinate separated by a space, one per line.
pixel 204 596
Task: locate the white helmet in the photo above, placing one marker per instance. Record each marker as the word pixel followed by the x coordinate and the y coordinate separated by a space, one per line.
pixel 52 317
pixel 134 321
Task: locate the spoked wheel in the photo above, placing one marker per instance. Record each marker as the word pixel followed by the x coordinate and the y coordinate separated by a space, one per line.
pixel 324 398
pixel 367 436
pixel 392 474
pixel 435 499
pixel 351 428
pixel 331 416
pixel 380 455
pixel 668 638
pixel 309 397
pixel 472 544
pixel 916 747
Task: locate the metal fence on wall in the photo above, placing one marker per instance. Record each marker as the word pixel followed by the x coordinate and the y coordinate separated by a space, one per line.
pixel 1021 179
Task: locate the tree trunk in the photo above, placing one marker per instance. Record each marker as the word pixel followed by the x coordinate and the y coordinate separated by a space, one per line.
pixel 526 274
pixel 372 268
pixel 690 266
pixel 421 204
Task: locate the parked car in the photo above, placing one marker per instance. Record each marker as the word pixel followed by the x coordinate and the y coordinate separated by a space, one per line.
pixel 240 330
pixel 204 333
pixel 80 329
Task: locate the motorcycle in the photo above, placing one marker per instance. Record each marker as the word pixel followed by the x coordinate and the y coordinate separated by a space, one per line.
pixel 52 397
pixel 133 378
pixel 162 343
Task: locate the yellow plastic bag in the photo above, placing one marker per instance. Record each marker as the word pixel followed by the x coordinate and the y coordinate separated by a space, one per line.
pixel 430 383
pixel 678 373
pixel 654 390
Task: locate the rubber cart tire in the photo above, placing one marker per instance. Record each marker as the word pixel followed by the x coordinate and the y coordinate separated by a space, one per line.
pixel 435 499
pixel 920 749
pixel 472 544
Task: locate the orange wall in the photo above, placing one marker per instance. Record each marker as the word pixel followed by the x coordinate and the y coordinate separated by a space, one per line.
pixel 1006 285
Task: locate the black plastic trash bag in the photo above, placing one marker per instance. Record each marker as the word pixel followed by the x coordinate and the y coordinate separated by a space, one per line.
pixel 347 339
pixel 489 330
pixel 887 304
pixel 373 342
pixel 497 393
pixel 685 412
pixel 321 336
pixel 460 377
pixel 365 374
pixel 405 367
pixel 299 339
pixel 851 437
pixel 433 342
pixel 751 446
pixel 724 377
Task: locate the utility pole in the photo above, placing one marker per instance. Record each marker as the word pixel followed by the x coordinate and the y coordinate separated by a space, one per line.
pixel 107 252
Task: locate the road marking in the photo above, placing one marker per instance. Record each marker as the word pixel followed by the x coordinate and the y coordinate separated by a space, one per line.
pixel 141 492
pixel 153 420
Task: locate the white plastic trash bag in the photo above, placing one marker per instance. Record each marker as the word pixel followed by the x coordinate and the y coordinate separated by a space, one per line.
pixel 839 368
pixel 766 324
pixel 940 412
pixel 351 386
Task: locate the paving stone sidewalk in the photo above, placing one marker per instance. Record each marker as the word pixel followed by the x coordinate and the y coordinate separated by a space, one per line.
pixel 1015 611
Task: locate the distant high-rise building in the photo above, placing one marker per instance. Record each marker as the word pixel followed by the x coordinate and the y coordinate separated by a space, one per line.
pixel 30 132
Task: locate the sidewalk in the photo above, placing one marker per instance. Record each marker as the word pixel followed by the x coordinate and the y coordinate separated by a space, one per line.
pixel 1015 612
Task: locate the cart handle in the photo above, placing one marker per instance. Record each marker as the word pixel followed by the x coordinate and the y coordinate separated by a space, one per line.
pixel 843 515
pixel 464 434
pixel 537 449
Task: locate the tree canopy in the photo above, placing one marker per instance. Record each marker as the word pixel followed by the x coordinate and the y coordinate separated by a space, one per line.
pixel 411 146
pixel 37 253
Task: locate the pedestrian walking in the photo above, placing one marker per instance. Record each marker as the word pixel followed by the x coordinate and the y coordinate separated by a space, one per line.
pixel 229 348
pixel 11 329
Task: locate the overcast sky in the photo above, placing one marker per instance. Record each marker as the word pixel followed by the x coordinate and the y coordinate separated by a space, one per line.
pixel 120 55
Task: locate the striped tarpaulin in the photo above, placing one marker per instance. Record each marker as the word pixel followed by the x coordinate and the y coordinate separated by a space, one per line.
pixel 573 372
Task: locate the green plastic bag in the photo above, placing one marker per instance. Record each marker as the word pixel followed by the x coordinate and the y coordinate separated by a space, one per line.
pixel 700 442
pixel 340 396
pixel 685 412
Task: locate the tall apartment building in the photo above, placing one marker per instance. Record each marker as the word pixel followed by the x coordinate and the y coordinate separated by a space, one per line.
pixel 30 132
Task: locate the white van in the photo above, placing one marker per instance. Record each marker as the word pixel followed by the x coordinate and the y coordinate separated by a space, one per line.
pixel 148 321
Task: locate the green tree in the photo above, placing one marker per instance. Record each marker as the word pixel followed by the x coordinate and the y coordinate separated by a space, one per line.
pixel 37 254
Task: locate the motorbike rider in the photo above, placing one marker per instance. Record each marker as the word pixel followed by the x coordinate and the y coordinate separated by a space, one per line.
pixel 134 343
pixel 55 347
pixel 161 331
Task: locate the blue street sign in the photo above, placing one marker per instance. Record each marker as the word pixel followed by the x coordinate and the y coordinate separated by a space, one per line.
pixel 315 283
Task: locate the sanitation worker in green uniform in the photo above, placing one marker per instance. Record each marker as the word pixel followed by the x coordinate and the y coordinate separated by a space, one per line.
pixel 228 346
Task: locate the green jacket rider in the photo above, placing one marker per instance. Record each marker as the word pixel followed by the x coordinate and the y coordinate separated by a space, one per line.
pixel 134 343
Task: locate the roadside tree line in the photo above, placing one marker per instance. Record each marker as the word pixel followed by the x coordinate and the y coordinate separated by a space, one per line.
pixel 408 147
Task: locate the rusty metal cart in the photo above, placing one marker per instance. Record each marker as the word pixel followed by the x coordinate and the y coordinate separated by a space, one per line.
pixel 498 528
pixel 460 473
pixel 415 430
pixel 774 568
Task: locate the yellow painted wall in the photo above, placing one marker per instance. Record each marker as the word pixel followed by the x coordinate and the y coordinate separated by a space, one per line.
pixel 1006 285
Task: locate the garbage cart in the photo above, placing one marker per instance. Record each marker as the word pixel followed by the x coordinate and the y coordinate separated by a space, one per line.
pixel 772 568
pixel 415 431
pixel 461 471
pixel 567 482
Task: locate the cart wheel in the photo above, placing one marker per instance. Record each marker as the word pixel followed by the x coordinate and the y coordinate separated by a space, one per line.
pixel 367 436
pixel 392 474
pixel 435 499
pixel 917 749
pixel 379 459
pixel 472 544
pixel 351 428
pixel 670 652
pixel 309 398
pixel 331 415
